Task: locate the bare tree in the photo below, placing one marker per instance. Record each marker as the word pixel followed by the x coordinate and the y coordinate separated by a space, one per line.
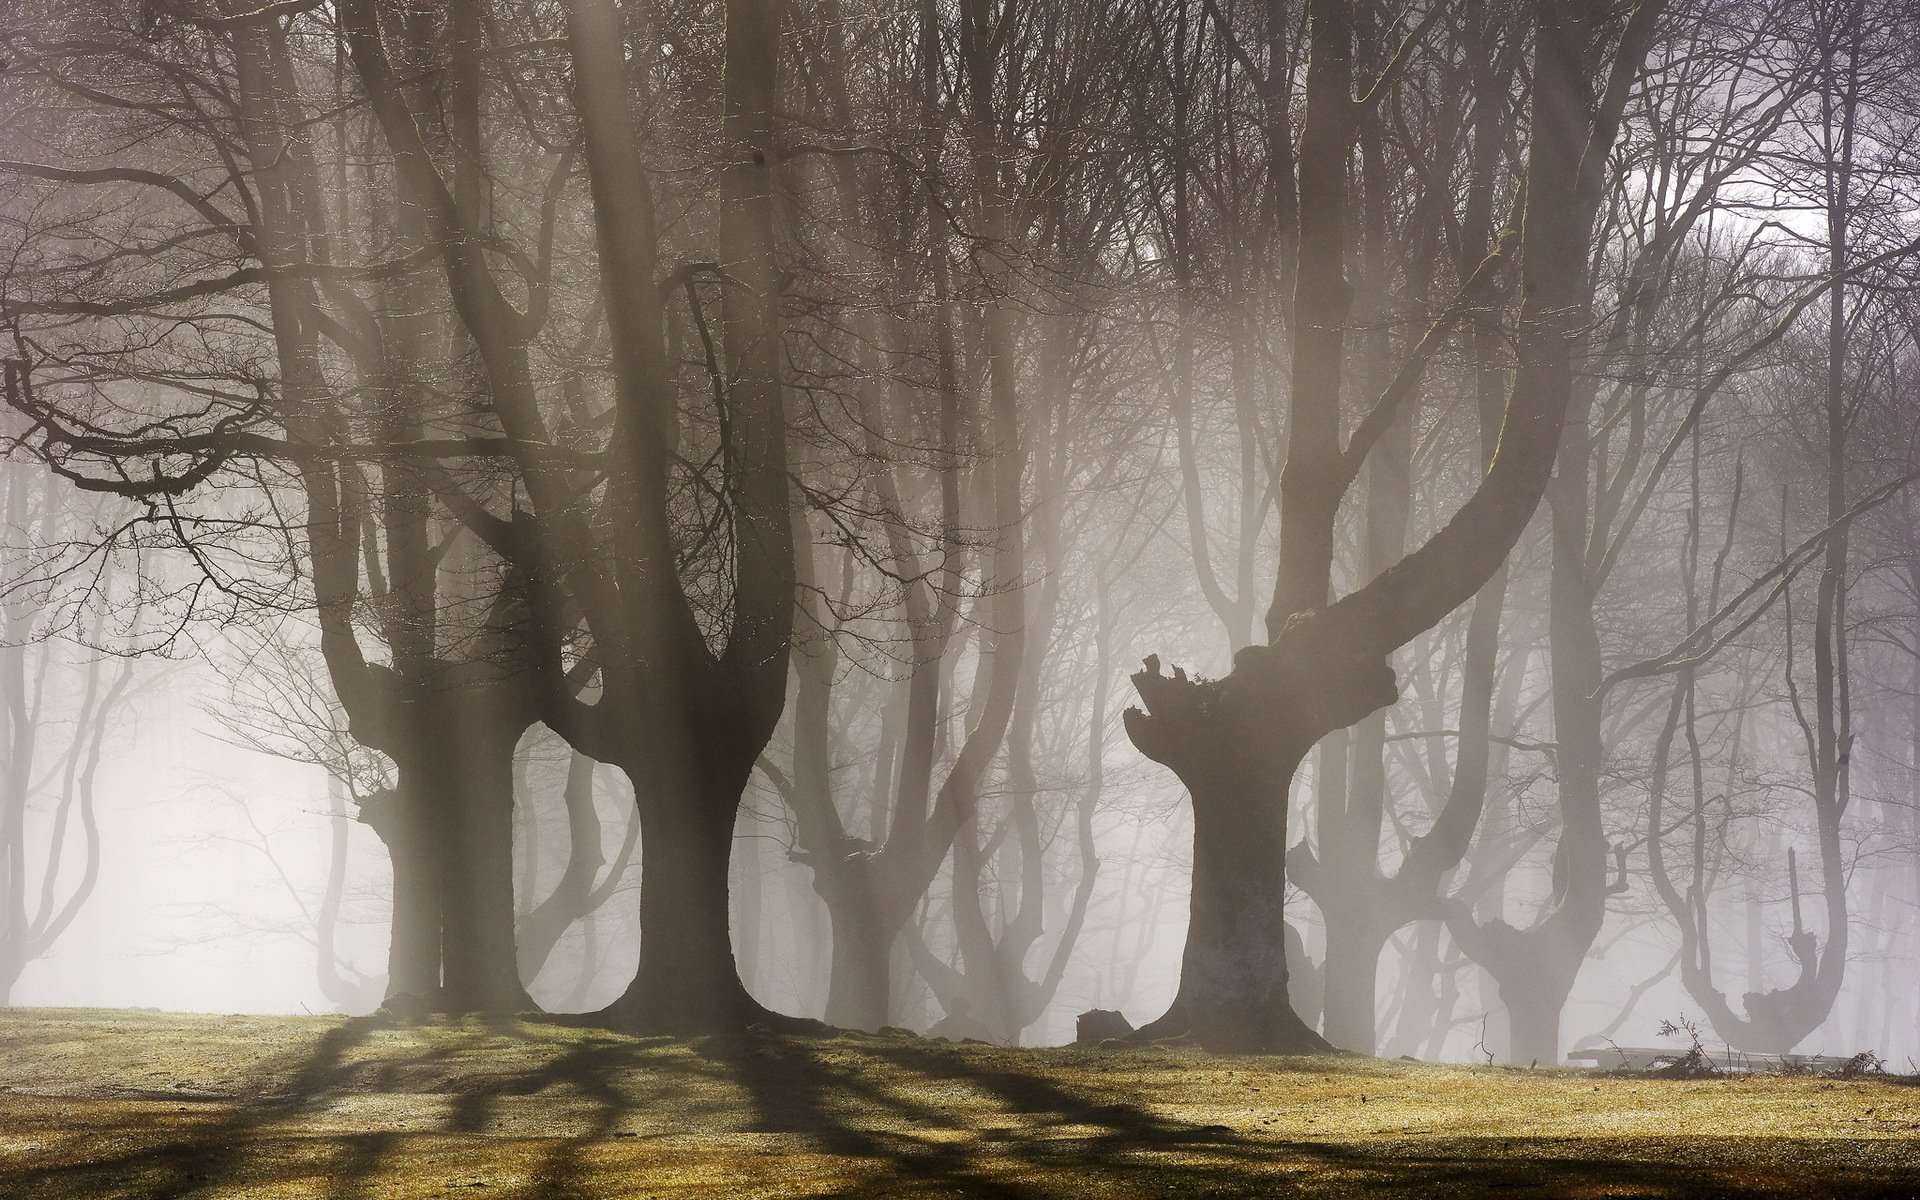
pixel 59 714
pixel 1237 742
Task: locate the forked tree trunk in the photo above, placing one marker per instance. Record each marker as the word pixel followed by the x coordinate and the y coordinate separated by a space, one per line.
pixel 448 828
pixel 450 728
pixel 870 889
pixel 866 918
pixel 1325 668
pixel 684 723
pixel 1536 966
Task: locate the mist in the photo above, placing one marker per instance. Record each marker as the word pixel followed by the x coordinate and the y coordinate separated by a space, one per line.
pixel 1250 529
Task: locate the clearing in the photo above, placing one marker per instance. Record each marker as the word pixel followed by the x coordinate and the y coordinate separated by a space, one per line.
pixel 98 1104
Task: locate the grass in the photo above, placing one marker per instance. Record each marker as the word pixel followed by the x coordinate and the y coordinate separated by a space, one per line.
pixel 100 1104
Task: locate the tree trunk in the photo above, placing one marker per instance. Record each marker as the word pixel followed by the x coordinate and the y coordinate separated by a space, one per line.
pixel 1352 969
pixel 1533 1020
pixel 1233 973
pixel 688 982
pixel 448 828
pixel 861 980
pixel 413 943
pixel 480 971
pixel 1536 967
pixel 864 930
pixel 1236 744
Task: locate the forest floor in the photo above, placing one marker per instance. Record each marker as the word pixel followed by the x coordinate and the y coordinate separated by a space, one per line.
pixel 101 1104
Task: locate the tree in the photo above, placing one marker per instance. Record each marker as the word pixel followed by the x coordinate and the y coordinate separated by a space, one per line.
pixel 684 709
pixel 1236 742
pixel 58 715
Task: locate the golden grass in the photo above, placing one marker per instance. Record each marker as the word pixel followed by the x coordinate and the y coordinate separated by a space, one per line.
pixel 111 1104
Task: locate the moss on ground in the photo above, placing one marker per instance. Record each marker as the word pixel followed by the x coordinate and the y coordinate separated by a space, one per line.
pixel 109 1104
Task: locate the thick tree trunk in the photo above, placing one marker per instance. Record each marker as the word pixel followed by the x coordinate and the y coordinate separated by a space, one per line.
pixel 865 923
pixel 687 972
pixel 1534 970
pixel 480 971
pixel 448 829
pixel 1533 1020
pixel 1233 973
pixel 861 978
pixel 1325 669
pixel 1236 744
pixel 413 943
pixel 688 982
pixel 1352 967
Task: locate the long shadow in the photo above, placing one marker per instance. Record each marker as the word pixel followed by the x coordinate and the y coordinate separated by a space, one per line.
pixel 1216 1160
pixel 353 1178
pixel 918 1116
pixel 1045 1103
pixel 216 1150
pixel 794 1090
pixel 594 1071
pixel 169 1159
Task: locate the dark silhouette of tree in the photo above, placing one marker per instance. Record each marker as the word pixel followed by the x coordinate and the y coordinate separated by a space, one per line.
pixel 1236 742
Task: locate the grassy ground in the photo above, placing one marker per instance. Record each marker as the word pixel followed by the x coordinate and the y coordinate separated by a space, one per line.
pixel 109 1104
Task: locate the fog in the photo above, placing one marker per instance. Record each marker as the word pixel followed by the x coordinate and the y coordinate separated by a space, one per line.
pixel 216 861
pixel 1393 531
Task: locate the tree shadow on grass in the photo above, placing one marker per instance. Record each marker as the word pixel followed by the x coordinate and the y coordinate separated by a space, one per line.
pixel 530 1112
pixel 146 1150
pixel 797 1087
pixel 1037 1134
